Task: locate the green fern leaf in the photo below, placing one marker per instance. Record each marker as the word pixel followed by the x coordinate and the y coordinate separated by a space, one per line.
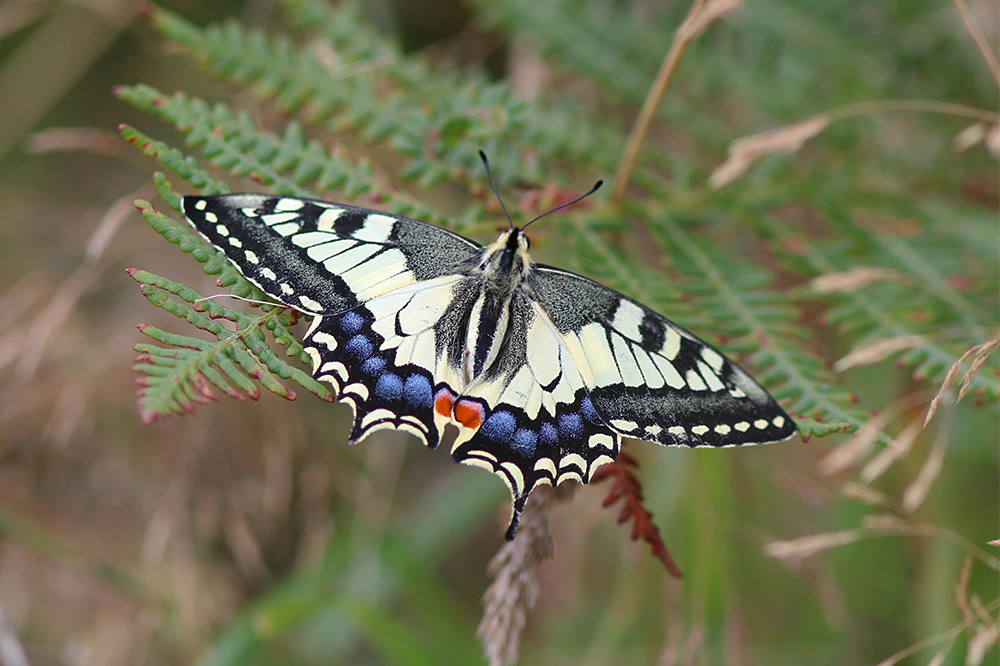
pixel 604 41
pixel 355 79
pixel 289 164
pixel 919 306
pixel 184 166
pixel 189 370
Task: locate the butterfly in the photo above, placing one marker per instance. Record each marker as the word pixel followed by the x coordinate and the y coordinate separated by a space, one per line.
pixel 540 371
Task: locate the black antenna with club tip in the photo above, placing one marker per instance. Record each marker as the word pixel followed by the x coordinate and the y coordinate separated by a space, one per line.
pixel 489 177
pixel 586 194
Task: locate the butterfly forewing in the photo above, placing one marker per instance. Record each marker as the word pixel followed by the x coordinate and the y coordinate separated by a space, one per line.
pixel 323 257
pixel 652 380
pixel 373 283
pixel 541 371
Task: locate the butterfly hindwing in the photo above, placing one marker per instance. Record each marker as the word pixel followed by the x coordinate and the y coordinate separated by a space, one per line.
pixel 382 358
pixel 531 411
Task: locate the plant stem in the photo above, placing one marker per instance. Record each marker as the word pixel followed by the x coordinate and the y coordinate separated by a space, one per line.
pixel 637 138
pixel 977 34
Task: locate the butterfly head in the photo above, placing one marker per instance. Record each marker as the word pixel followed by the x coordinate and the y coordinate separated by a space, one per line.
pixel 514 239
pixel 506 261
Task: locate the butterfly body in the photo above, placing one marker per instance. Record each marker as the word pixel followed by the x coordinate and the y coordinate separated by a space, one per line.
pixel 540 370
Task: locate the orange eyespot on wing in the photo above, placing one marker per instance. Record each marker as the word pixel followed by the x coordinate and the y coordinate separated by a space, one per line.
pixel 444 401
pixel 469 413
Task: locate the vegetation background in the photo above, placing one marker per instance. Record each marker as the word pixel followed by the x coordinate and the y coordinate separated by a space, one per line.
pixel 849 276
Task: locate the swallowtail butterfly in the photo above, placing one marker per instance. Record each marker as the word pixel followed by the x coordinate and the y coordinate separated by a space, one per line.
pixel 541 371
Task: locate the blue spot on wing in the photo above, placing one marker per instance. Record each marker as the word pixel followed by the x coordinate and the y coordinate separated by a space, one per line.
pixel 499 426
pixel 373 366
pixel 524 441
pixel 570 426
pixel 417 391
pixel 389 387
pixel 588 410
pixel 351 322
pixel 359 347
pixel 548 434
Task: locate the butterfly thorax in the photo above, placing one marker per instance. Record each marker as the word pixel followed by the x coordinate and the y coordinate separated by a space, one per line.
pixel 505 262
pixel 504 268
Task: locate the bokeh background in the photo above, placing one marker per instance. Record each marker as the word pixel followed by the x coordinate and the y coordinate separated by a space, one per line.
pixel 247 532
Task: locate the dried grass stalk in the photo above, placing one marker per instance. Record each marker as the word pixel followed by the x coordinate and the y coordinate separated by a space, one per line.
pixel 876 351
pixel 979 354
pixel 709 13
pixel 853 279
pixel 743 152
pixel 514 590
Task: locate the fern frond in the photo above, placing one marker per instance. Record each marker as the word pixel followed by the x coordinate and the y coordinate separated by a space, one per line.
pixel 289 164
pixel 930 259
pixel 626 486
pixel 183 165
pixel 216 263
pixel 184 373
pixel 354 79
pixel 185 238
pixel 604 41
pixel 925 308
pixel 464 109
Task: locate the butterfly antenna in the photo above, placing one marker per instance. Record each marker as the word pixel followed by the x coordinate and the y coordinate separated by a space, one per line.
pixel 586 194
pixel 489 177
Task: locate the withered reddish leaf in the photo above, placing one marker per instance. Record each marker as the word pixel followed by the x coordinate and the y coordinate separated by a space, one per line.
pixel 626 485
